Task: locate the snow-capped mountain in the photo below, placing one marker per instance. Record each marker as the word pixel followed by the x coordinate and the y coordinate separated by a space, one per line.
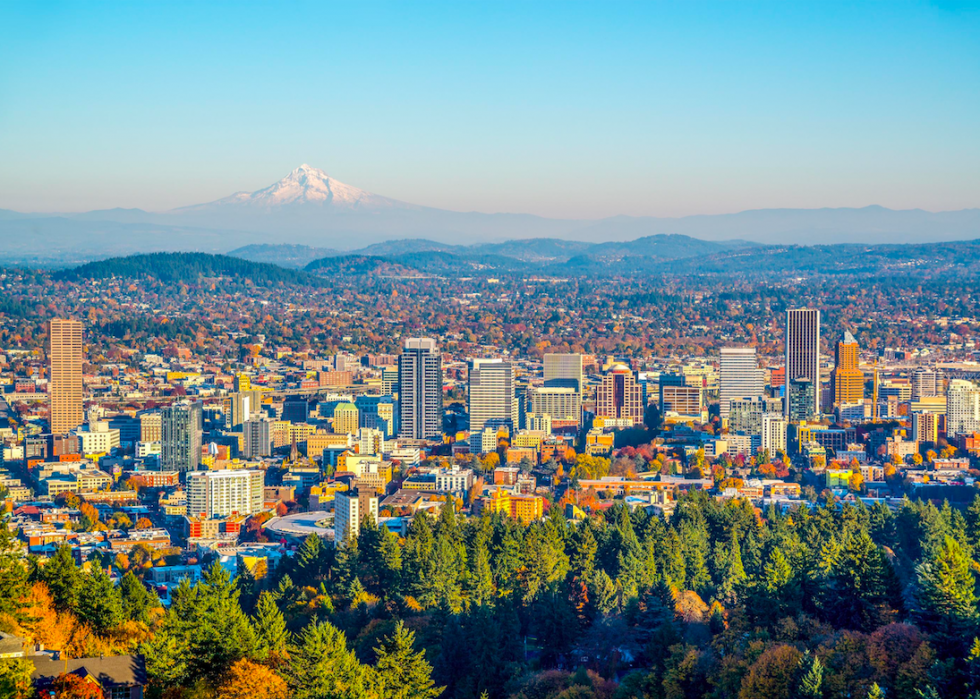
pixel 305 185
pixel 308 207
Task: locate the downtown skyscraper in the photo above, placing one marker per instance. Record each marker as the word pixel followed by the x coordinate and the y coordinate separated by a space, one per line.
pixel 563 371
pixel 66 375
pixel 803 356
pixel 739 376
pixel 420 390
pixel 491 396
pixel 847 379
pixel 182 428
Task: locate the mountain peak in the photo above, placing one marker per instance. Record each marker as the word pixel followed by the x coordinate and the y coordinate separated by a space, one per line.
pixel 307 185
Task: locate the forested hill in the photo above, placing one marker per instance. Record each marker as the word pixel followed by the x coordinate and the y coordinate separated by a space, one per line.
pixel 188 267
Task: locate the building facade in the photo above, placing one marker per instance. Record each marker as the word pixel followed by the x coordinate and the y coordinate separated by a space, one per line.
pixel 181 433
pixel 350 509
pixel 420 390
pixel 66 375
pixel 803 352
pixel 739 376
pixel 224 493
pixel 559 403
pixel 619 396
pixel 563 371
pixel 257 438
pixel 490 397
pixel 847 379
pixel 962 408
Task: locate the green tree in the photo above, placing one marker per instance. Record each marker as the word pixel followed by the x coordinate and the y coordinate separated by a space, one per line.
pixel 946 596
pixel 402 672
pixel 270 627
pixel 136 599
pixel 99 602
pixel 876 692
pixel 63 578
pixel 321 666
pixel 309 560
pixel 15 678
pixel 810 682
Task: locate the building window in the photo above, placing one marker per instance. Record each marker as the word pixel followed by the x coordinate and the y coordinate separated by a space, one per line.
pixel 120 692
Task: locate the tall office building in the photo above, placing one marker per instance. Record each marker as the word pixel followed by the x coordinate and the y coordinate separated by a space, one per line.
pixel 491 396
pixel 296 409
pixel 181 432
pixel 257 437
pixel 389 380
pixel 420 390
pixel 925 427
pixel 241 406
pixel 926 383
pixel 557 403
pixel 346 418
pixel 151 427
pixel 800 400
pixel 66 375
pixel 739 376
pixel 847 380
pixel 224 493
pixel 563 371
pixel 350 509
pixel 687 401
pixel 619 395
pixel 746 413
pixel 773 433
pixel 962 408
pixel 803 352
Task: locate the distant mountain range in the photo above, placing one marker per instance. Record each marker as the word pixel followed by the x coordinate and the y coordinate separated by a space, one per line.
pixel 309 209
pixel 534 250
pixel 676 256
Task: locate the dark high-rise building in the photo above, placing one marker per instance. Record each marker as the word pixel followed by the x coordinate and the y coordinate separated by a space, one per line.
pixel 181 431
pixel 296 409
pixel 420 390
pixel 803 352
pixel 800 400
pixel 257 437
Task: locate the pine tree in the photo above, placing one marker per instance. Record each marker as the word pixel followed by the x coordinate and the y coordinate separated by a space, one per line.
pixel 221 633
pixel 946 597
pixel 480 581
pixel 876 692
pixel 584 549
pixel 270 627
pixel 810 683
pixel 63 579
pixel 136 599
pixel 972 517
pixel 309 560
pixel 401 672
pixel 99 602
pixel 390 564
pixel 321 666
pixel 417 559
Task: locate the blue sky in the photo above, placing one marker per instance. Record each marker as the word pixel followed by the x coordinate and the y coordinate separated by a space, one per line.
pixel 565 109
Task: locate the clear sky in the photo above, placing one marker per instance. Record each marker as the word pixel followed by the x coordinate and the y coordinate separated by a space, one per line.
pixel 566 109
